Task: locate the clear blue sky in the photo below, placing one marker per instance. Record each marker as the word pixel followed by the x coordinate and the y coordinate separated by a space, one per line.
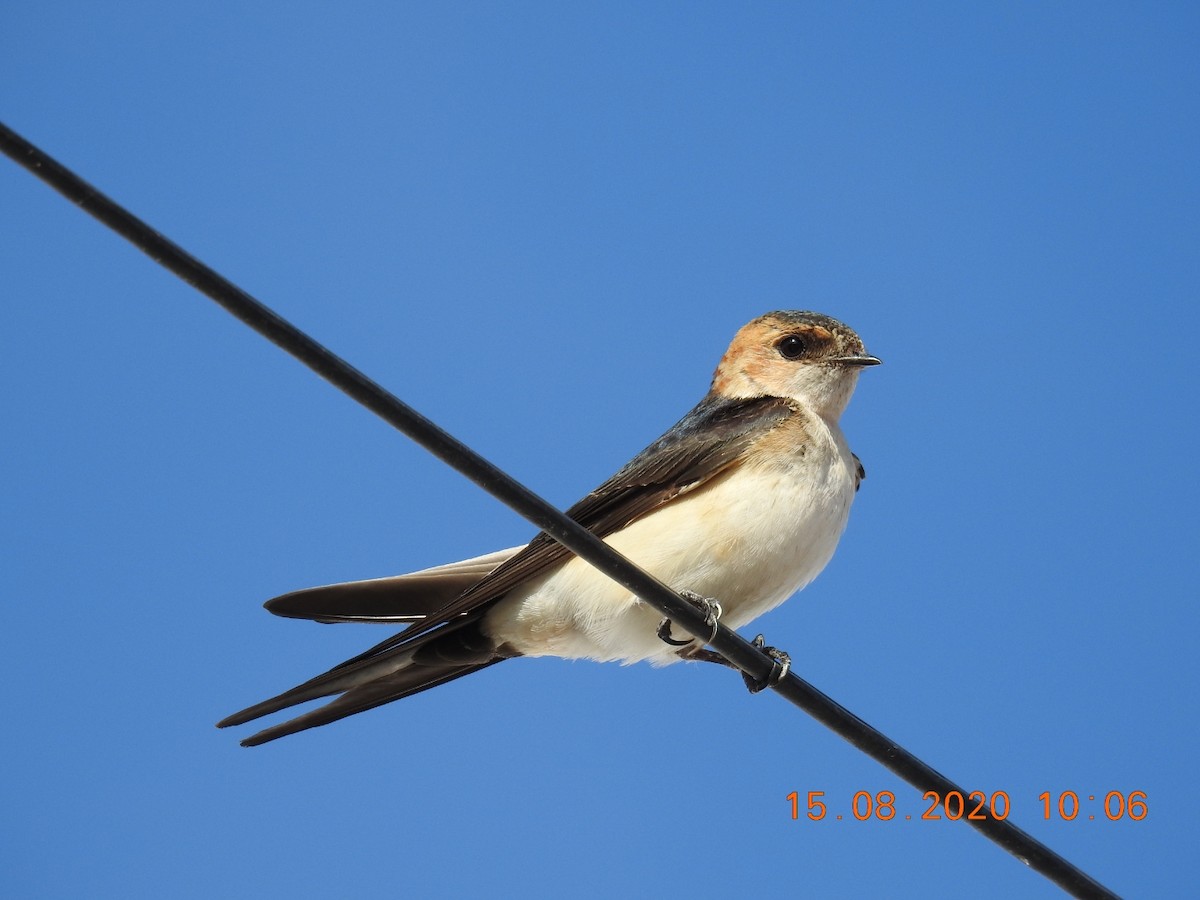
pixel 540 224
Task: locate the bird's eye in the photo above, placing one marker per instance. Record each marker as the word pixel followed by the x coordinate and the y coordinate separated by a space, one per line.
pixel 791 347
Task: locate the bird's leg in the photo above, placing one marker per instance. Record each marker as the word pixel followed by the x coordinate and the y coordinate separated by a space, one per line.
pixel 703 654
pixel 780 663
pixel 712 614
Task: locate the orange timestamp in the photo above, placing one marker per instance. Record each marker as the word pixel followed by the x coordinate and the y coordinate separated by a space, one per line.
pixel 973 806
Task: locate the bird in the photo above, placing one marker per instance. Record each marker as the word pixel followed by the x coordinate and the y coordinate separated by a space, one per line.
pixel 738 506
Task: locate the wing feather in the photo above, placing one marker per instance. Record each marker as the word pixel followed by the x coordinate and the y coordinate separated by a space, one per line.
pixel 446 603
pixel 399 599
pixel 704 443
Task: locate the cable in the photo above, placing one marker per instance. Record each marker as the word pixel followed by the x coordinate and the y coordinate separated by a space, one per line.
pixel 751 660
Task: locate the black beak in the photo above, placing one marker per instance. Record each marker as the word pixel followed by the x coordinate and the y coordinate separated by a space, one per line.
pixel 862 360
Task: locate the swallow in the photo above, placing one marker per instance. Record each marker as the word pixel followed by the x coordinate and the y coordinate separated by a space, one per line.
pixel 742 501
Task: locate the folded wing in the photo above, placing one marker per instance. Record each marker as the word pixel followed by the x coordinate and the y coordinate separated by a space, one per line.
pixel 399 599
pixel 443 607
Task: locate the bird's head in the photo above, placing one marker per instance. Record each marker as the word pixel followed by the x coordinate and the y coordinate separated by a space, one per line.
pixel 804 356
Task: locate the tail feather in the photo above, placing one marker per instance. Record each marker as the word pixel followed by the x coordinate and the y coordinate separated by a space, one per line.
pixel 371 680
pixel 400 684
pixel 335 681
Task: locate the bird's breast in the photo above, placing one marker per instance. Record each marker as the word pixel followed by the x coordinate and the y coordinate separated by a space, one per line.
pixel 748 538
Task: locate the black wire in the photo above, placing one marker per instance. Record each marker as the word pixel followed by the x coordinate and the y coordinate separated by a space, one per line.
pixel 579 540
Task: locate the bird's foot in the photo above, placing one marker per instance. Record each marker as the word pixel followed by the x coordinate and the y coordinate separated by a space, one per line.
pixel 712 615
pixel 780 664
pixel 703 654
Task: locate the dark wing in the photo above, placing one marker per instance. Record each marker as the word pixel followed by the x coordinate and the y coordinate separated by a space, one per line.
pixel 447 642
pixel 704 443
pixel 399 599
